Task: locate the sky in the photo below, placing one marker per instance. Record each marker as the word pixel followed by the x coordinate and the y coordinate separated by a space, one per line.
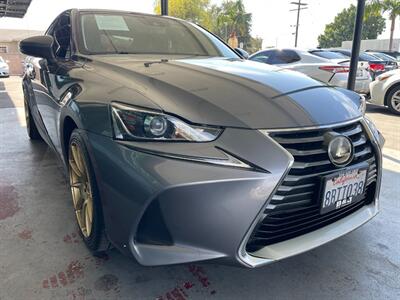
pixel 272 19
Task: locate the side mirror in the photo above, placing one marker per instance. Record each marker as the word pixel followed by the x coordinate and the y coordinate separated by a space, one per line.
pixel 242 53
pixel 38 46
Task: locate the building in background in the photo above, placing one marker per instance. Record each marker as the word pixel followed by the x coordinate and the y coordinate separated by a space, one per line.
pixel 382 44
pixel 9 50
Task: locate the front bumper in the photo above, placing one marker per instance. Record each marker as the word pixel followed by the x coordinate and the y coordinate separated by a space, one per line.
pixel 206 209
pixel 377 92
pixel 166 211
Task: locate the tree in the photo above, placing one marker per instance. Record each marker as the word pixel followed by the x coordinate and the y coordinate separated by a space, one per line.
pixel 222 20
pixel 393 8
pixel 341 29
pixel 255 45
pixel 196 11
pixel 231 17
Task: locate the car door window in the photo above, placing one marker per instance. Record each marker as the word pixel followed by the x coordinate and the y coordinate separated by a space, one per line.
pixel 262 56
pixel 284 57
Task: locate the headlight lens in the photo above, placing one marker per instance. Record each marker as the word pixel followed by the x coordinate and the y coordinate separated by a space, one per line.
pixel 131 123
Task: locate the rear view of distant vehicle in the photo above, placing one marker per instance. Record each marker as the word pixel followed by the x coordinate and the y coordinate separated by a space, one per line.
pixel 4 69
pixel 377 66
pixel 363 75
pixel 385 90
pixel 320 68
pixel 386 57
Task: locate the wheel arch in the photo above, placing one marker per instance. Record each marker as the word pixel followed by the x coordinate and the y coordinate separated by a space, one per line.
pixel 389 90
pixel 68 126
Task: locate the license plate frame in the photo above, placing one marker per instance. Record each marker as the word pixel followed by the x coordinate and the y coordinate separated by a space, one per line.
pixel 328 205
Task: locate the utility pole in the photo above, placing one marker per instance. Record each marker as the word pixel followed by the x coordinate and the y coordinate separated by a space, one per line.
pixel 300 6
pixel 355 49
pixel 164 7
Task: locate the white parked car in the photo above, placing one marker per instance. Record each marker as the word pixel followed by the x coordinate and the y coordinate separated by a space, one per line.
pixel 4 69
pixel 332 71
pixel 385 90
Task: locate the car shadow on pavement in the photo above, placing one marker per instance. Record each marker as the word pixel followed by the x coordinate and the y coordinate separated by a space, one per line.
pixel 5 99
pixel 371 108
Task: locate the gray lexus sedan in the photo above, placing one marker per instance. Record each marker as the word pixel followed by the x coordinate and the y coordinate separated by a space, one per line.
pixel 179 150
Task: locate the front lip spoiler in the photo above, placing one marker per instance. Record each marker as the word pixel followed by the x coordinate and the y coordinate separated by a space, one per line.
pixel 311 240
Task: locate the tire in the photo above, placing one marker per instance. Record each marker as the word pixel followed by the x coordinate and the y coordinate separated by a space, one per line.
pixel 31 128
pixel 393 100
pixel 82 188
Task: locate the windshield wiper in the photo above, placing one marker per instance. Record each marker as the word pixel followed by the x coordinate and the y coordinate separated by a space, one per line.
pixel 148 64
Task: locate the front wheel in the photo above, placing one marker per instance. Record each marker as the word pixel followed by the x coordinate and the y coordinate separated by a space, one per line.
pixel 394 100
pixel 85 196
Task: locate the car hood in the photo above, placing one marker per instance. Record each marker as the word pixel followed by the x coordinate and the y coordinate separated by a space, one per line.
pixel 227 92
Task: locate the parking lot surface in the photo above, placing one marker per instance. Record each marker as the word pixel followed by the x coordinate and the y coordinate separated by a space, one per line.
pixel 42 256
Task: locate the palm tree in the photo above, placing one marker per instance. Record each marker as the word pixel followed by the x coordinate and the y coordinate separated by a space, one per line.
pixel 393 8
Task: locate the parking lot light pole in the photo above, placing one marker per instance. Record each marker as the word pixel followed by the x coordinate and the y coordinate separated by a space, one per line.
pixel 164 7
pixel 355 49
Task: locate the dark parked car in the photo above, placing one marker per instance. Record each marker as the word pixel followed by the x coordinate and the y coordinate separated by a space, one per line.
pixel 384 56
pixel 394 54
pixel 178 150
pixel 377 66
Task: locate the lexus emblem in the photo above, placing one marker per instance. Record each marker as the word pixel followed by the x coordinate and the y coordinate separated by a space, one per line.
pixel 340 149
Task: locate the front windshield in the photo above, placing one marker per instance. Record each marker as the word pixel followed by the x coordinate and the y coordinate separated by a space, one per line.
pixel 125 33
pixel 1 59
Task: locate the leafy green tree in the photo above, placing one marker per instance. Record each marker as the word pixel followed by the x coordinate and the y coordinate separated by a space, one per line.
pixel 393 8
pixel 255 44
pixel 341 29
pixel 196 11
pixel 222 20
pixel 229 17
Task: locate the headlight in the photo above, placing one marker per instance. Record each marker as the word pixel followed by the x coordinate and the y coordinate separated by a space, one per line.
pixel 131 123
pixel 363 105
pixel 377 135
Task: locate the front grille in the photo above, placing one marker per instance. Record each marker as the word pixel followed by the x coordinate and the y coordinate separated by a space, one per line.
pixel 294 208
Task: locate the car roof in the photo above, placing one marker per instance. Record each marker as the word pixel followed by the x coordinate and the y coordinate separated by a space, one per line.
pixel 383 51
pixel 117 11
pixel 280 49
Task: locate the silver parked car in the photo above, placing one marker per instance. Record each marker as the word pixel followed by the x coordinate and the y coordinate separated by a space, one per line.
pixel 179 150
pixel 332 71
pixel 4 68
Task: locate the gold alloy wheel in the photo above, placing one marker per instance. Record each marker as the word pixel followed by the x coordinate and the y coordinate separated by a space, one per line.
pixel 82 196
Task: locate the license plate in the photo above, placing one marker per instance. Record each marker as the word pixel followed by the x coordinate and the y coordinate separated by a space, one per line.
pixel 342 189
